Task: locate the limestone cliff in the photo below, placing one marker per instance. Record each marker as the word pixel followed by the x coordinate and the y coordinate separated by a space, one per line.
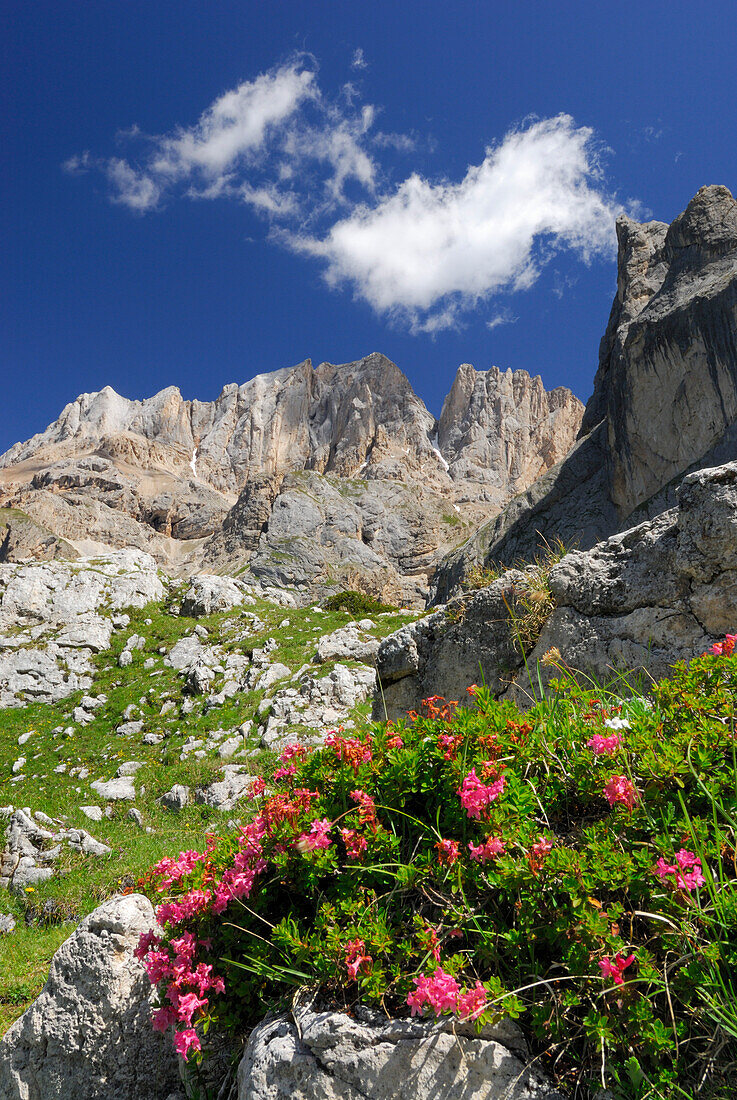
pixel 385 490
pixel 665 393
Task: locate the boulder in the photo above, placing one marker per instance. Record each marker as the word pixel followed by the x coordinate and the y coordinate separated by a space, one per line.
pixel 89 1034
pixel 208 593
pixel 332 1056
pixel 348 643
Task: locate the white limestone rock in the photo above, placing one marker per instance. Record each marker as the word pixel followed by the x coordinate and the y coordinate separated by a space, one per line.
pixel 89 1035
pixel 332 1056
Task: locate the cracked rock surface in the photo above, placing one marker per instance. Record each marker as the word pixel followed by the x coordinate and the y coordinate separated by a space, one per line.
pixel 89 1035
pixel 332 1056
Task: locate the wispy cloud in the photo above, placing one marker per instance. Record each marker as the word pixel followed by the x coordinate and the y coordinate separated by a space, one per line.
pixel 503 317
pixel 421 253
pixel 250 144
pixel 359 61
pixel 429 251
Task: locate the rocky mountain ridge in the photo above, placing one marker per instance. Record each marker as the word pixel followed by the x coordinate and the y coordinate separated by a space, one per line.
pixel 665 393
pixel 209 483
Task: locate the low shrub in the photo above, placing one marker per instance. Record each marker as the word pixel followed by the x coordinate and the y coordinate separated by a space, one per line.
pixel 573 867
pixel 357 604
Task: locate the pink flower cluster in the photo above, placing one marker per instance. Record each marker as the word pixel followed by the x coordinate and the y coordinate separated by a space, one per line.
pixel 686 871
pixel 448 852
pixel 366 809
pixel 318 836
pixel 355 959
pixel 349 749
pixel 614 968
pixel 442 993
pixel 725 648
pixel 449 743
pixel 605 746
pixel 481 853
pixel 621 790
pixel 477 796
pixel 187 984
pixel 355 844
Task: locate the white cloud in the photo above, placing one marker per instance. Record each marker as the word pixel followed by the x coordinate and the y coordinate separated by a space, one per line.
pixel 503 317
pixel 428 251
pixel 250 144
pixel 359 61
pixel 422 253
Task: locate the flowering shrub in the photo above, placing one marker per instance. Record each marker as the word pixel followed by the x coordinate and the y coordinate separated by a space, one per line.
pixel 562 867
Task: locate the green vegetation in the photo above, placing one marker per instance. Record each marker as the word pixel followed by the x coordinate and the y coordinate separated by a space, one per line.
pixel 57 741
pixel 357 604
pixel 573 868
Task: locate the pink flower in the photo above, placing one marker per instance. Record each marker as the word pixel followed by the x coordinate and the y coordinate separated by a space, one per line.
pixel 355 844
pixel 620 789
pixel 439 990
pixel 476 796
pixel 539 853
pixel 163 1019
pixel 188 1005
pixel 394 742
pixel 146 941
pixel 686 871
pixel 472 1003
pixel 366 808
pixel 293 751
pixel 605 746
pixel 318 836
pixel 449 743
pixel 285 773
pixel 448 852
pixel 615 969
pixel 355 959
pixel 725 648
pixel 491 847
pixel 186 1040
pixel 259 786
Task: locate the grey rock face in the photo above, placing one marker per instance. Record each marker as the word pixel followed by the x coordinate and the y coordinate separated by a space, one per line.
pixel 661 592
pixel 89 1033
pixel 468 642
pixel 153 473
pixel 52 620
pixel 332 1056
pixel 115 790
pixel 348 643
pixel 665 394
pixel 317 703
pixel 32 847
pixel 505 429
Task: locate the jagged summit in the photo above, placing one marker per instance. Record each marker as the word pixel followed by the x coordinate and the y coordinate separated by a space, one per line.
pixel 164 470
pixel 665 392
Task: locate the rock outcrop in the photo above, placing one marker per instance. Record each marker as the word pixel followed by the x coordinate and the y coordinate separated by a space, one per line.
pixel 89 1034
pixel 665 394
pixel 55 615
pixel 263 475
pixel 332 1056
pixel 636 603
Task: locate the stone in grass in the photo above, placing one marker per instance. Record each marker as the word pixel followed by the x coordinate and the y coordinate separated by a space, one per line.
pixel 89 1034
pixel 129 729
pixel 7 923
pixel 129 767
pixel 176 798
pixel 136 816
pixel 115 790
pixel 94 813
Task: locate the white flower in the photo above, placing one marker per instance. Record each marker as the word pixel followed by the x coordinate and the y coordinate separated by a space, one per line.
pixel 617 724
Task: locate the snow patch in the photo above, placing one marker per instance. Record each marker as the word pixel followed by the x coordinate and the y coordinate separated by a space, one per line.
pixel 434 445
pixel 193 462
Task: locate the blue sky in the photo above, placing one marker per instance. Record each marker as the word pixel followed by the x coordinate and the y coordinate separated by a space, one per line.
pixel 196 192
